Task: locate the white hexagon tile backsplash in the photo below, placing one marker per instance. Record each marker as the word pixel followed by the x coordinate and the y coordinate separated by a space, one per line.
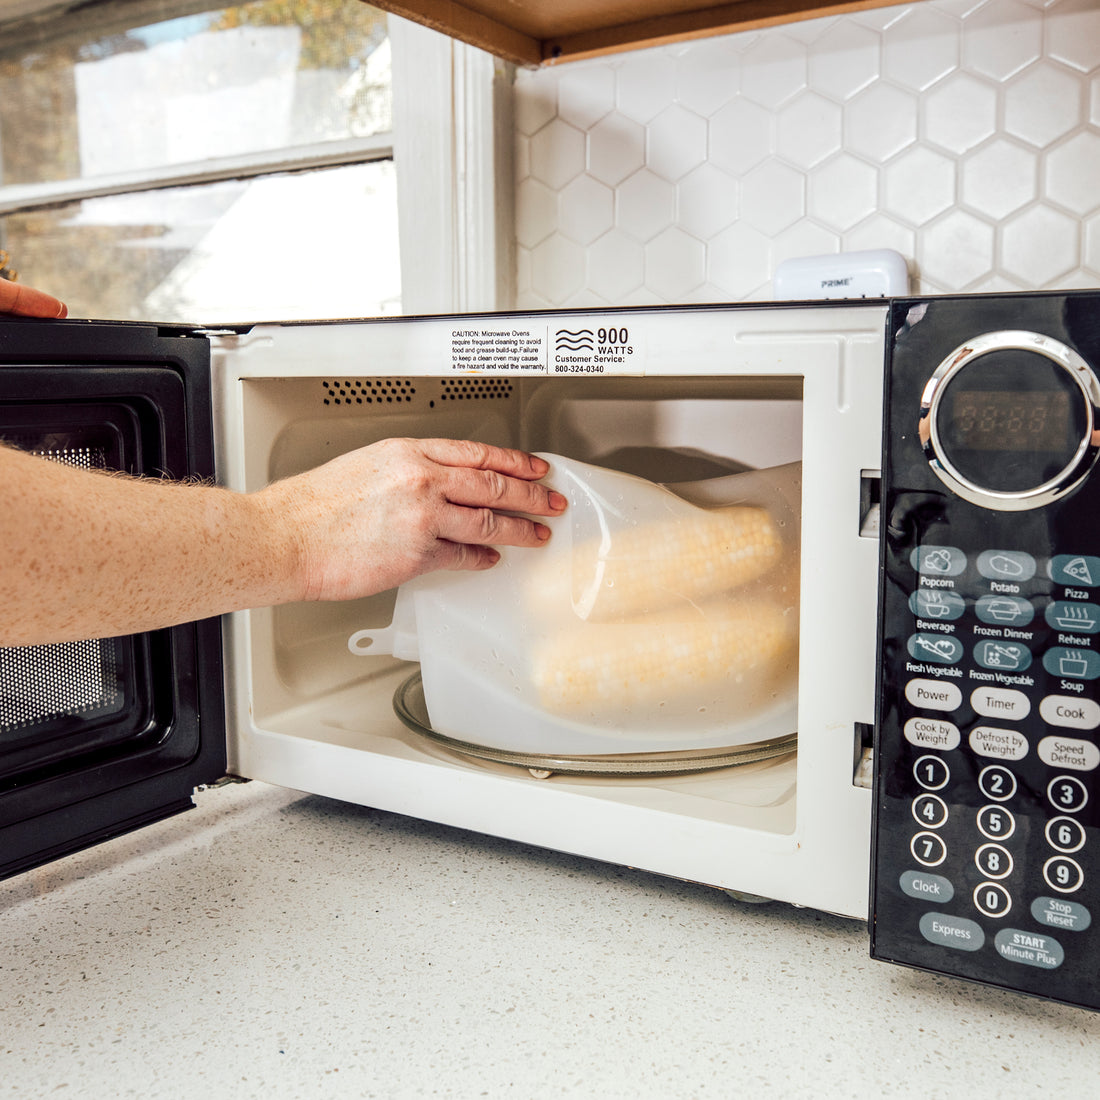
pixel 964 134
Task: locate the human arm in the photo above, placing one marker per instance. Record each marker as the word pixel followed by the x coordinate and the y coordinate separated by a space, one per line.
pixel 25 301
pixel 89 554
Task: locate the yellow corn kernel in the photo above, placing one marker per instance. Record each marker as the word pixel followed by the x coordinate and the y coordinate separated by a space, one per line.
pixel 739 652
pixel 678 560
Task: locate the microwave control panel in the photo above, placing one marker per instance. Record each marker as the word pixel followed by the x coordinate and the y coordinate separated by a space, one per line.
pixel 986 851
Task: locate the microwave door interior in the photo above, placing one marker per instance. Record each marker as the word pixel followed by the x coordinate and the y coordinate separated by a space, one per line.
pixel 98 737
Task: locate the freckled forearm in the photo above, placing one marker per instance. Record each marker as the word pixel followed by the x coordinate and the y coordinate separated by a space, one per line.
pixel 91 555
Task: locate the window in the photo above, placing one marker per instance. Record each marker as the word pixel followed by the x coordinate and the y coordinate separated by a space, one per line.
pixel 210 166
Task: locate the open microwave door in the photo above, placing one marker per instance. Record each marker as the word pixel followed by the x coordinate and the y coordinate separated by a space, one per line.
pixel 103 736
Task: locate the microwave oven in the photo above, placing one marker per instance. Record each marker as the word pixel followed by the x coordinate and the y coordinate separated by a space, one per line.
pixel 939 774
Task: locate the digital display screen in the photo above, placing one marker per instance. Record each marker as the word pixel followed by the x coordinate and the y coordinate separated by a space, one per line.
pixel 1007 420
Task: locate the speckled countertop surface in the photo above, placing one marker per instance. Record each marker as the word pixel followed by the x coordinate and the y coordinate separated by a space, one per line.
pixel 272 944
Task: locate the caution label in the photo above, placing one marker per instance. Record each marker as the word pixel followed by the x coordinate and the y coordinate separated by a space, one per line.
pixel 498 350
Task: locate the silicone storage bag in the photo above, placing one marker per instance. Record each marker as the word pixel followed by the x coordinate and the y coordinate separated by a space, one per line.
pixel 656 619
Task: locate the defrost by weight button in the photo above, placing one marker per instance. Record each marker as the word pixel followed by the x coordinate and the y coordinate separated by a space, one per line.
pixel 999 743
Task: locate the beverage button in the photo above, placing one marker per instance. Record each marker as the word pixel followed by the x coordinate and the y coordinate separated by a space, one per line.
pixel 1002 744
pixel 1060 913
pixel 1075 569
pixel 926 886
pixel 990 702
pixel 1069 661
pixel 957 932
pixel 1067 793
pixel 932 733
pixel 1004 610
pixel 938 561
pixel 996 822
pixel 928 849
pixel 1064 710
pixel 1029 948
pixel 1005 656
pixel 931 603
pixel 1079 618
pixel 1063 873
pixel 1065 834
pixel 935 648
pixel 1069 752
pixel 1006 565
pixel 992 899
pixel 933 695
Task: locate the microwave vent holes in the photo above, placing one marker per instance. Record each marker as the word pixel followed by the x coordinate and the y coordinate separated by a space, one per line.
pixel 473 389
pixel 368 391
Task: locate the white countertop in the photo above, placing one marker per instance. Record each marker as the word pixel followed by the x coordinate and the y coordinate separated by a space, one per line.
pixel 272 944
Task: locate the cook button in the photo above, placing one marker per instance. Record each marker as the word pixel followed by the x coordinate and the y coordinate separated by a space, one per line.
pixel 1064 710
pixel 990 702
pixel 933 695
pixel 1060 913
pixel 1004 610
pixel 931 603
pixel 925 886
pixel 1073 617
pixel 957 932
pixel 1029 948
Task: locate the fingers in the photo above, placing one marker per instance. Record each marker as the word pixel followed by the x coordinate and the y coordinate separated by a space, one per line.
pixel 484 456
pixel 25 301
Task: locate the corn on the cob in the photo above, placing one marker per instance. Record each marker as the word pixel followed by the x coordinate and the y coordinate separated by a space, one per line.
pixel 677 561
pixel 742 650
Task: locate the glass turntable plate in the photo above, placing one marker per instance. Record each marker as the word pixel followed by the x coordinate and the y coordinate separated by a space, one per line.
pixel 409 705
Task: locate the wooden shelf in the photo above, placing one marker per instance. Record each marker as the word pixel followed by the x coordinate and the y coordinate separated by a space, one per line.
pixel 542 32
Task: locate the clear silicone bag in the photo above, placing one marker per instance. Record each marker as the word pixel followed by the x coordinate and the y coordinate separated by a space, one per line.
pixel 656 619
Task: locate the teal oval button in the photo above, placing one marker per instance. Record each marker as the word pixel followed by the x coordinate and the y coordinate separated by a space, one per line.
pixel 925 886
pixel 956 932
pixel 1082 570
pixel 1029 948
pixel 935 648
pixel 1004 656
pixel 1070 916
pixel 1077 664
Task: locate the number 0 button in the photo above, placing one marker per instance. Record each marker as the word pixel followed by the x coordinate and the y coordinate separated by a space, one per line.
pixel 997 783
pixel 928 849
pixel 992 900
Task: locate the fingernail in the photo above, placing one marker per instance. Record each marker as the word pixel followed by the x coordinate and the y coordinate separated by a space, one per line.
pixel 557 501
pixel 492 555
pixel 542 531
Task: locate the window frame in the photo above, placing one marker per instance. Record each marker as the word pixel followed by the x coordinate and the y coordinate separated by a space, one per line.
pixel 450 143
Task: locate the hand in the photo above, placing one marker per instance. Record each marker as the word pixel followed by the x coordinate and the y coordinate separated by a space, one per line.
pixel 24 301
pixel 376 517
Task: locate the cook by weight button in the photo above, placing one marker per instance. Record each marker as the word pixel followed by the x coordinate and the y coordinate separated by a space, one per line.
pixel 1006 703
pixel 948 931
pixel 933 695
pixel 932 733
pixel 1029 948
pixel 1013 566
pixel 1071 713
